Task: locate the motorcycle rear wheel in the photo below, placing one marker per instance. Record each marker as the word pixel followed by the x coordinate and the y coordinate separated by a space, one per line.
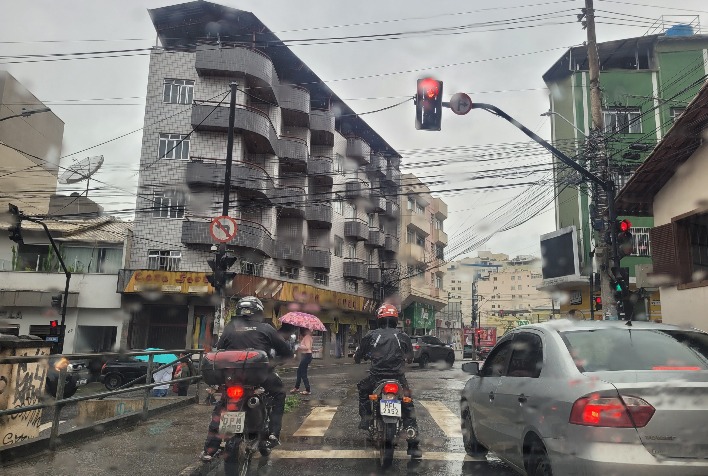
pixel 387 444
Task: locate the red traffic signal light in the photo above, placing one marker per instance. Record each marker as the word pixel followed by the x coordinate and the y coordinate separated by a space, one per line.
pixel 54 324
pixel 429 87
pixel 428 104
pixel 598 303
pixel 625 226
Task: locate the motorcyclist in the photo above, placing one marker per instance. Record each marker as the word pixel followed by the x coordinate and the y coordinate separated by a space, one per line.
pixel 389 350
pixel 248 331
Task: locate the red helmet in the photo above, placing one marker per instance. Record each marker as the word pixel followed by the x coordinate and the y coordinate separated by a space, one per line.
pixel 387 310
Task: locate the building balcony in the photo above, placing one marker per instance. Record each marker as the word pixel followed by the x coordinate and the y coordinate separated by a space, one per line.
pixel 358 149
pixel 290 201
pixel 393 176
pixel 374 275
pixel 440 209
pixel 257 67
pixel 321 169
pixel 354 268
pixel 246 178
pixel 288 250
pixel 439 237
pixel 250 235
pixel 417 221
pixel 354 189
pixel 318 215
pixel 376 238
pixel 392 208
pixel 322 127
pixel 295 105
pixel 377 203
pixel 254 125
pixel 391 244
pixel 377 166
pixel 357 229
pixel 412 254
pixel 317 258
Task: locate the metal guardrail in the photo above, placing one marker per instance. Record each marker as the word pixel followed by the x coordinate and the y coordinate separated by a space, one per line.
pixel 59 402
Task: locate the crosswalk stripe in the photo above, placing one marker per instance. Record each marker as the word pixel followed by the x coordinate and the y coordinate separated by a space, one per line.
pixel 317 422
pixel 448 422
pixel 365 454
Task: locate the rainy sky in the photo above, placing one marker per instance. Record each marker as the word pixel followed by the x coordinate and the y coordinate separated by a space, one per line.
pixel 494 51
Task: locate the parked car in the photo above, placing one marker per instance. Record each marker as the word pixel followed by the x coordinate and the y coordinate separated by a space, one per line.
pixel 468 352
pixel 428 349
pixel 598 397
pixel 77 374
pixel 115 373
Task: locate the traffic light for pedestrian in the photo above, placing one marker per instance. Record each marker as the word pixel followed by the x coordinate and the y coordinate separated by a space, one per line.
pixel 15 230
pixel 54 328
pixel 428 104
pixel 598 303
pixel 624 237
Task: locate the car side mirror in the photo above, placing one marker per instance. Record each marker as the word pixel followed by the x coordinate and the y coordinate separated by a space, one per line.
pixel 471 368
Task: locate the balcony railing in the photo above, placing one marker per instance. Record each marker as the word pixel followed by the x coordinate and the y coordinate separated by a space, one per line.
pixel 374 276
pixel 377 166
pixel 439 236
pixel 376 238
pixel 245 177
pixel 317 258
pixel 354 268
pixel 393 175
pixel 392 208
pixel 250 235
pixel 322 127
pixel 290 201
pixel 295 105
pixel 321 168
pixel 358 149
pixel 412 253
pixel 319 215
pixel 357 229
pixel 419 222
pixel 391 244
pixel 285 249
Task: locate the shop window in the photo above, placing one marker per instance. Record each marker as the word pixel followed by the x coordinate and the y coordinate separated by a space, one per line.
pixel 289 272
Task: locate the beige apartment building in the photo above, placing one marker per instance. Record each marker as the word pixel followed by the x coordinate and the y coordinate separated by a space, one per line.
pixel 421 258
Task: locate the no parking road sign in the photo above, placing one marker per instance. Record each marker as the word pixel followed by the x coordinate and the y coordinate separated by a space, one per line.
pixel 223 229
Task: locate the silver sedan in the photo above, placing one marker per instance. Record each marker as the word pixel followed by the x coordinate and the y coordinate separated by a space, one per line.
pixel 585 398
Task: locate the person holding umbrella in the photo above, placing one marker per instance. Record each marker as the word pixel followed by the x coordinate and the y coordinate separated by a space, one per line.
pixel 305 351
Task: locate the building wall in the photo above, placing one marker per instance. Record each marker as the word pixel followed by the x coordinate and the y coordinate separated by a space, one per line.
pixel 683 193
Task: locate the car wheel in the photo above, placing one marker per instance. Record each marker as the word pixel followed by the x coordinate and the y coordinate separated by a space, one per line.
pixel 113 381
pixel 472 446
pixel 539 463
pixel 424 359
pixel 450 359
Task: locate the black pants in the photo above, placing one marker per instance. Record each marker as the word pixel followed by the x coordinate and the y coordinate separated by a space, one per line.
pixel 302 371
pixel 182 390
pixel 367 385
pixel 274 386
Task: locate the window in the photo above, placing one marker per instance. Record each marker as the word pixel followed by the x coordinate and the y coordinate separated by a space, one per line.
pixel 411 204
pixel 372 258
pixel 164 260
pixel 289 272
pixel 513 278
pixel 168 204
pixel 419 210
pixel 495 278
pixel 351 286
pixel 623 120
pixel 494 306
pixel 339 163
pixel 351 250
pixel 439 282
pixel 321 278
pixel 174 146
pixel 338 246
pixel 495 365
pixel 87 259
pixel 680 249
pixel 371 219
pixel 419 240
pixel 252 269
pixel 641 245
pixel 518 288
pixel 410 236
pixel 352 211
pixel 676 113
pixel 437 224
pixel 178 91
pixel 338 206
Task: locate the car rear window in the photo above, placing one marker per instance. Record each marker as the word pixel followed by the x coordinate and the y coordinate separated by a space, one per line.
pixel 642 349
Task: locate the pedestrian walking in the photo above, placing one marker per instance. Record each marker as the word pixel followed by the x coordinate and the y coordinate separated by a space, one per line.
pixel 305 351
pixel 184 369
pixel 163 377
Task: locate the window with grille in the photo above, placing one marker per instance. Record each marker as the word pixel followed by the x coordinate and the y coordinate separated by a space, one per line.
pixel 410 204
pixel 168 204
pixel 676 113
pixel 625 120
pixel 419 240
pixel 339 163
pixel 351 250
pixel 641 245
pixel 164 260
pixel 372 222
pixel 289 272
pixel 321 278
pixel 419 210
pixel 178 91
pixel 174 146
pixel 410 237
pixel 351 286
pixel 252 269
pixel 338 206
pixel 338 246
pixel 438 224
pixel 438 282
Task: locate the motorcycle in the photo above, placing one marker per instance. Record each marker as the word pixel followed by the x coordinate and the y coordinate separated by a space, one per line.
pixel 245 416
pixel 387 419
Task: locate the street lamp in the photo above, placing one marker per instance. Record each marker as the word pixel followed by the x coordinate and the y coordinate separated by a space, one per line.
pixel 27 113
pixel 553 113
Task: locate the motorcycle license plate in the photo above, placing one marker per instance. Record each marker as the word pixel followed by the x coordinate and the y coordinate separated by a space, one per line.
pixel 232 423
pixel 390 408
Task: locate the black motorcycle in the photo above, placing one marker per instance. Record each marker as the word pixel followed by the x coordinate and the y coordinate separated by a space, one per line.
pixel 387 419
pixel 246 406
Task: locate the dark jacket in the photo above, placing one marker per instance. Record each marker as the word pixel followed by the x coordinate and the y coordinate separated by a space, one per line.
pixel 388 350
pixel 252 333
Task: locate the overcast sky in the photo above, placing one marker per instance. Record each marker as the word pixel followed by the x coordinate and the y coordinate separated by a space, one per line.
pixel 101 99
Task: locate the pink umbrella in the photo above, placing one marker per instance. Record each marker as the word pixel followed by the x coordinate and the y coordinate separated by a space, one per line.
pixel 303 319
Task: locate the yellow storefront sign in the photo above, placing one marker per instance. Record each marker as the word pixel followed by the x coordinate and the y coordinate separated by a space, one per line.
pixel 168 282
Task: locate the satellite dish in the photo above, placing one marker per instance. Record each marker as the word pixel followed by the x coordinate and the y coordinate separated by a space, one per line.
pixel 82 170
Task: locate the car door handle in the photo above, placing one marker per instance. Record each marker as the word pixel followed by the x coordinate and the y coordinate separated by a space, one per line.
pixel 491 396
pixel 523 398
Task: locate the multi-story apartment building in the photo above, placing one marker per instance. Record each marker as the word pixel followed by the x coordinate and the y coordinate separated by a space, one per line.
pixel 313 187
pixel 646 84
pixel 421 257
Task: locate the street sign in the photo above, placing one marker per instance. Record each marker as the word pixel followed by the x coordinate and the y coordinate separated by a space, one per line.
pixel 223 229
pixel 460 103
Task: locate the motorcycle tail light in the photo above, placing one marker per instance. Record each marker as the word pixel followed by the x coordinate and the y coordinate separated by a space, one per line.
pixel 416 347
pixel 390 388
pixel 407 399
pixel 235 392
pixel 373 397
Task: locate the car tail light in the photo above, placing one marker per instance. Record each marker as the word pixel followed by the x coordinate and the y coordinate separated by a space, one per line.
pixel 390 388
pixel 613 412
pixel 671 367
pixel 235 392
pixel 416 347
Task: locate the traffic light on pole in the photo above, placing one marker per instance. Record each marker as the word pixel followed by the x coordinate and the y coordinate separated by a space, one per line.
pixel 15 230
pixel 624 237
pixel 57 301
pixel 216 278
pixel 54 328
pixel 598 303
pixel 428 104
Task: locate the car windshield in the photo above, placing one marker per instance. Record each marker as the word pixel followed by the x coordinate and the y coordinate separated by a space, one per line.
pixel 628 349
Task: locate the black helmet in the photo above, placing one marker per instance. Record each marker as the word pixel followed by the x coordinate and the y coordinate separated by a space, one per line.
pixel 249 306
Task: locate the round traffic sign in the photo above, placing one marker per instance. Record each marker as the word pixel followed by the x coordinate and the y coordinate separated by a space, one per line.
pixel 223 229
pixel 460 103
